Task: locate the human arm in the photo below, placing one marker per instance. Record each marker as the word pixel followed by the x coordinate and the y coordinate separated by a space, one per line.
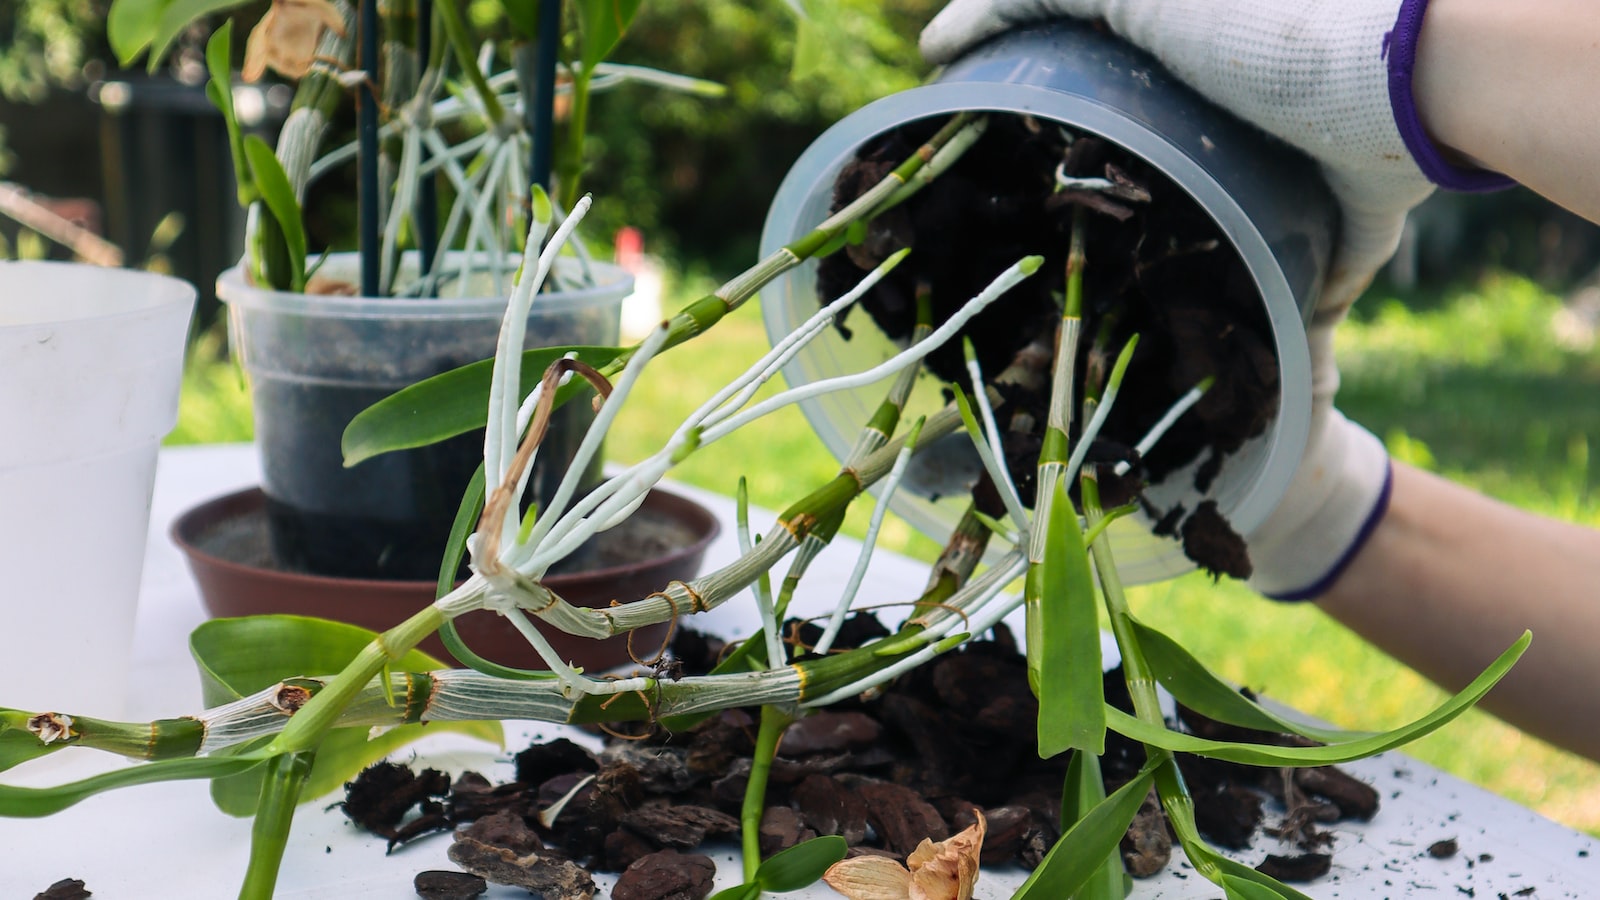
pixel 1449 578
pixel 1511 88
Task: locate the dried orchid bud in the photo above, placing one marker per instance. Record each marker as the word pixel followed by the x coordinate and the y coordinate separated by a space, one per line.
pixel 947 870
pixel 285 40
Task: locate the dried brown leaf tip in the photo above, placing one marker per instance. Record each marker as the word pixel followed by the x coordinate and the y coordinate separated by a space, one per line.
pixel 285 40
pixel 946 870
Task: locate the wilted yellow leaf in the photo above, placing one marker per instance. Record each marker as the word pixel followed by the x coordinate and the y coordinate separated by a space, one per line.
pixel 285 40
pixel 947 870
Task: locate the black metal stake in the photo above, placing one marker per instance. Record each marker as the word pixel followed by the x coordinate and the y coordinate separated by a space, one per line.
pixel 427 203
pixel 540 114
pixel 367 148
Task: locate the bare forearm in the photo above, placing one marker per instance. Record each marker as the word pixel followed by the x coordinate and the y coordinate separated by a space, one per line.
pixel 1511 87
pixel 1450 578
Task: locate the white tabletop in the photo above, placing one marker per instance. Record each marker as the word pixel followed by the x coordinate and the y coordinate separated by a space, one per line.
pixel 167 841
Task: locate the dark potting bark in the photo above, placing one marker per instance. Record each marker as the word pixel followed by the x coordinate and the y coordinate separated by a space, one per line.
pixel 1156 266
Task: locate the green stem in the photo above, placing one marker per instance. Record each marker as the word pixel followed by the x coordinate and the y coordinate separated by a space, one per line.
pixel 1170 787
pixel 571 167
pixel 774 722
pixel 306 729
pixel 461 44
pixel 269 834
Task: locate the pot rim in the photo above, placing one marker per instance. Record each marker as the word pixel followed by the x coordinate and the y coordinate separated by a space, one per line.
pixel 614 283
pixel 189 525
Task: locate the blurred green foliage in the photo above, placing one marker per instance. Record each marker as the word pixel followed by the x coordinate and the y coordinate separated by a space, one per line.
pixel 45 43
pixel 697 174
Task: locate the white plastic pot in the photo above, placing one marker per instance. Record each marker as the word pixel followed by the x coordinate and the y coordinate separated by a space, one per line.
pixel 90 363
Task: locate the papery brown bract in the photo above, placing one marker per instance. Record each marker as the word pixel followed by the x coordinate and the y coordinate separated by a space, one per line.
pixel 947 870
pixel 285 40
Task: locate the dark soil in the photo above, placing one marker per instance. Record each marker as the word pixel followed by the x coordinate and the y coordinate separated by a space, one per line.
pixel 388 517
pixel 65 889
pixel 916 761
pixel 1156 266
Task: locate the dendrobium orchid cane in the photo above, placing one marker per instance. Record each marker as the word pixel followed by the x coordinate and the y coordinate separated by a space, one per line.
pixel 1051 547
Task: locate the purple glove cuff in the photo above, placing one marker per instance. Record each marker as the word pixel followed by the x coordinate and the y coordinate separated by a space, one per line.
pixel 1321 585
pixel 1400 50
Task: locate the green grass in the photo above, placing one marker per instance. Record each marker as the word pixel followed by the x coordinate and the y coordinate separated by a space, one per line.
pixel 1476 387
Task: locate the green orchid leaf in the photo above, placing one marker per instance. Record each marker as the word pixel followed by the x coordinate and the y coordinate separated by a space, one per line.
pixel 1193 685
pixel 278 194
pixel 1339 752
pixel 1085 789
pixel 452 403
pixel 601 24
pixel 1238 888
pixel 800 865
pixel 238 657
pixel 23 802
pixel 1085 846
pixel 131 26
pixel 219 89
pixel 748 891
pixel 175 18
pixel 1064 621
pixel 19 745
pixel 340 756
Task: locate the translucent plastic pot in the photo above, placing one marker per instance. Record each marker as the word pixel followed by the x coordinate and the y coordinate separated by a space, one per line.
pixel 90 363
pixel 1267 199
pixel 314 362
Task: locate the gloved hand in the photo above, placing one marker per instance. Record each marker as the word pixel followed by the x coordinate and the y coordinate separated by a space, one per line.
pixel 1333 78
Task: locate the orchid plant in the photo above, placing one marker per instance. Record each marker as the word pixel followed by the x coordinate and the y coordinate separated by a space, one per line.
pixel 419 84
pixel 1062 554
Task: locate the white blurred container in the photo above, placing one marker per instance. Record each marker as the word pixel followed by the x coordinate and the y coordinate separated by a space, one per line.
pixel 1268 200
pixel 90 363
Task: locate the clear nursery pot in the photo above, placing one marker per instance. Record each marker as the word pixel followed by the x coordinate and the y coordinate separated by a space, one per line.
pixel 1268 200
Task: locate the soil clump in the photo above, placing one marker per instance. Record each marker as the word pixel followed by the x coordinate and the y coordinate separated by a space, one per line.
pixel 1156 265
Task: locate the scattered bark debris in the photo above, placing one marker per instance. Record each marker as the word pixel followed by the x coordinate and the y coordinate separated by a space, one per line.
pixel 385 792
pixel 918 760
pixel 666 875
pixel 65 889
pixel 1296 869
pixel 438 884
pixel 550 876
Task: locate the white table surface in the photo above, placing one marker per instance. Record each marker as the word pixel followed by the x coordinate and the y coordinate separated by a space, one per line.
pixel 167 841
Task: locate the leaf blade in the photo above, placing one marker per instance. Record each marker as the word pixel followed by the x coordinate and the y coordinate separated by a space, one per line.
pixel 1080 851
pixel 451 403
pixel 1340 752
pixel 278 194
pixel 1067 626
pixel 1195 686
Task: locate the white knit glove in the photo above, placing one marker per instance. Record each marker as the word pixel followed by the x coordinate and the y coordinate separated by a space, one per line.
pixel 1318 74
